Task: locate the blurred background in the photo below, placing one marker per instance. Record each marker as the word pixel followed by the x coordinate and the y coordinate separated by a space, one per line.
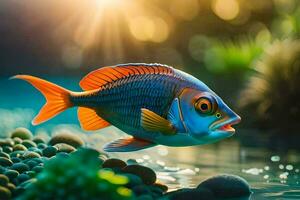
pixel 246 51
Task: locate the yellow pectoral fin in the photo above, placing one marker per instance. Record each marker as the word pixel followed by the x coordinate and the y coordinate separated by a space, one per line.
pixel 151 121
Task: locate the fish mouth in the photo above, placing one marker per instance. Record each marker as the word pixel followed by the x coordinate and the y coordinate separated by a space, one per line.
pixel 225 125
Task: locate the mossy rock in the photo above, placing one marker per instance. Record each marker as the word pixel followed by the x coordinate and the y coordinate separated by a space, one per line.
pixel 17 154
pixel 145 173
pixel 39 140
pixel 5 162
pixel 6 142
pixel 50 151
pixel 7 149
pixel 4 155
pixel 5 193
pixel 17 140
pixel 31 154
pixel 29 143
pixel 3 180
pixel 67 138
pixel 62 147
pixel 11 174
pixel 22 133
pixel 20 167
pixel 19 147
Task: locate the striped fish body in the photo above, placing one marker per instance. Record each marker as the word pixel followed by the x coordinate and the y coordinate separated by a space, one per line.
pixel 120 102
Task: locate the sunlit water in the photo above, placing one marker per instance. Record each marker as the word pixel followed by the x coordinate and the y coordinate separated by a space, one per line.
pixel 271 174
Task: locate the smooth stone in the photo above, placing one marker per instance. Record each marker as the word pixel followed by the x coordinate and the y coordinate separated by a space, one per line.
pixel 3 180
pixel 22 133
pixel 67 138
pixel 31 173
pixel 29 143
pixel 131 162
pixel 23 177
pixel 19 147
pixel 36 150
pixel 17 154
pixel 141 190
pixel 114 163
pixel 42 146
pixel 11 174
pixel 4 155
pixel 6 142
pixel 50 151
pixel 4 162
pixel 5 193
pixel 32 163
pixel 31 154
pixel 190 194
pixel 163 187
pixel 17 140
pixel 62 147
pixel 134 180
pixel 11 186
pixel 38 169
pixel 155 191
pixel 226 186
pixel 7 149
pixel 145 173
pixel 15 159
pixel 20 167
pixel 39 140
pixel 144 197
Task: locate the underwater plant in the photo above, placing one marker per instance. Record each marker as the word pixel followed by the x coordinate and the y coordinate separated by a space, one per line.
pixel 232 56
pixel 77 177
pixel 272 96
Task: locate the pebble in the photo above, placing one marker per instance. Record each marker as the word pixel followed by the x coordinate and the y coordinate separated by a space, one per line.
pixel 42 146
pixel 147 175
pixel 163 187
pixel 20 167
pixel 226 186
pixel 50 151
pixel 67 138
pixel 133 180
pixel 62 147
pixel 17 154
pixel 19 147
pixel 38 169
pixel 191 194
pixel 11 174
pixel 144 197
pixel 38 140
pixel 15 160
pixel 141 189
pixel 29 143
pixel 3 180
pixel 4 155
pixel 4 162
pixel 17 140
pixel 7 149
pixel 11 186
pixel 22 133
pixel 31 154
pixel 114 163
pixel 6 142
pixel 5 193
pixel 23 177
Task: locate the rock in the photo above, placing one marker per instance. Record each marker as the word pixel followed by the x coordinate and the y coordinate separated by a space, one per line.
pixel 32 163
pixel 226 186
pixel 67 138
pixel 6 142
pixel 144 197
pixel 31 154
pixel 155 191
pixel 38 169
pixel 23 177
pixel 29 143
pixel 50 151
pixel 134 180
pixel 17 140
pixel 3 180
pixel 191 194
pixel 7 149
pixel 39 140
pixel 17 154
pixel 62 147
pixel 141 190
pixel 4 162
pixel 22 133
pixel 163 187
pixel 147 175
pixel 4 155
pixel 31 173
pixel 36 150
pixel 11 186
pixel 131 162
pixel 11 174
pixel 5 193
pixel 20 167
pixel 114 163
pixel 19 147
pixel 42 146
pixel 15 160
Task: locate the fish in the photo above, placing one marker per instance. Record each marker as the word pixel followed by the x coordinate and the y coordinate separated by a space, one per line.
pixel 155 104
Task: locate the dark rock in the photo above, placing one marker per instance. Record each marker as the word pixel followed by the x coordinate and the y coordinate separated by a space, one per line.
pixel 42 146
pixel 163 187
pixel 3 180
pixel 19 147
pixel 38 169
pixel 31 173
pixel 190 194
pixel 6 142
pixel 31 154
pixel 4 162
pixel 11 174
pixel 146 174
pixel 22 133
pixel 20 167
pixel 4 155
pixel 36 150
pixel 2 169
pixel 29 143
pixel 15 159
pixel 5 193
pixel 62 147
pixel 155 191
pixel 7 149
pixel 17 140
pixel 141 189
pixel 32 163
pixel 226 186
pixel 134 180
pixel 62 155
pixel 145 197
pixel 17 154
pixel 50 151
pixel 39 140
pixel 67 138
pixel 11 187
pixel 114 163
pixel 23 177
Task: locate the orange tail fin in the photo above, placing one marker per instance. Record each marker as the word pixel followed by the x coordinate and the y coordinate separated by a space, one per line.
pixel 58 98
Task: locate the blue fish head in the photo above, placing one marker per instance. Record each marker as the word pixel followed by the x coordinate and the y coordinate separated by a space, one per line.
pixel 206 116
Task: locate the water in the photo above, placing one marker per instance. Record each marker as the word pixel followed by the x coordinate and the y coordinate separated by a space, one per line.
pixel 271 174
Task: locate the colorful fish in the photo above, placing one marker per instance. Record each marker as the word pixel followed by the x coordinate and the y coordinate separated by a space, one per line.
pixel 154 103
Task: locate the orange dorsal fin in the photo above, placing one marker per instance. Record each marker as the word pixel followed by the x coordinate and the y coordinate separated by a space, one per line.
pixel 58 98
pixel 96 79
pixel 90 120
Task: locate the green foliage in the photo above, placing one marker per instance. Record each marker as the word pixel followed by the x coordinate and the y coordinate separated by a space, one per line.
pixel 77 177
pixel 272 95
pixel 232 56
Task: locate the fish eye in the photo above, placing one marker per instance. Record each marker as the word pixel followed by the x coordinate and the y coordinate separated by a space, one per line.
pixel 204 105
pixel 218 115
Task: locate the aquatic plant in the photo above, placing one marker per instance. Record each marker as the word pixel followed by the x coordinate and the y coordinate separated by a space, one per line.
pixel 77 177
pixel 232 56
pixel 272 96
